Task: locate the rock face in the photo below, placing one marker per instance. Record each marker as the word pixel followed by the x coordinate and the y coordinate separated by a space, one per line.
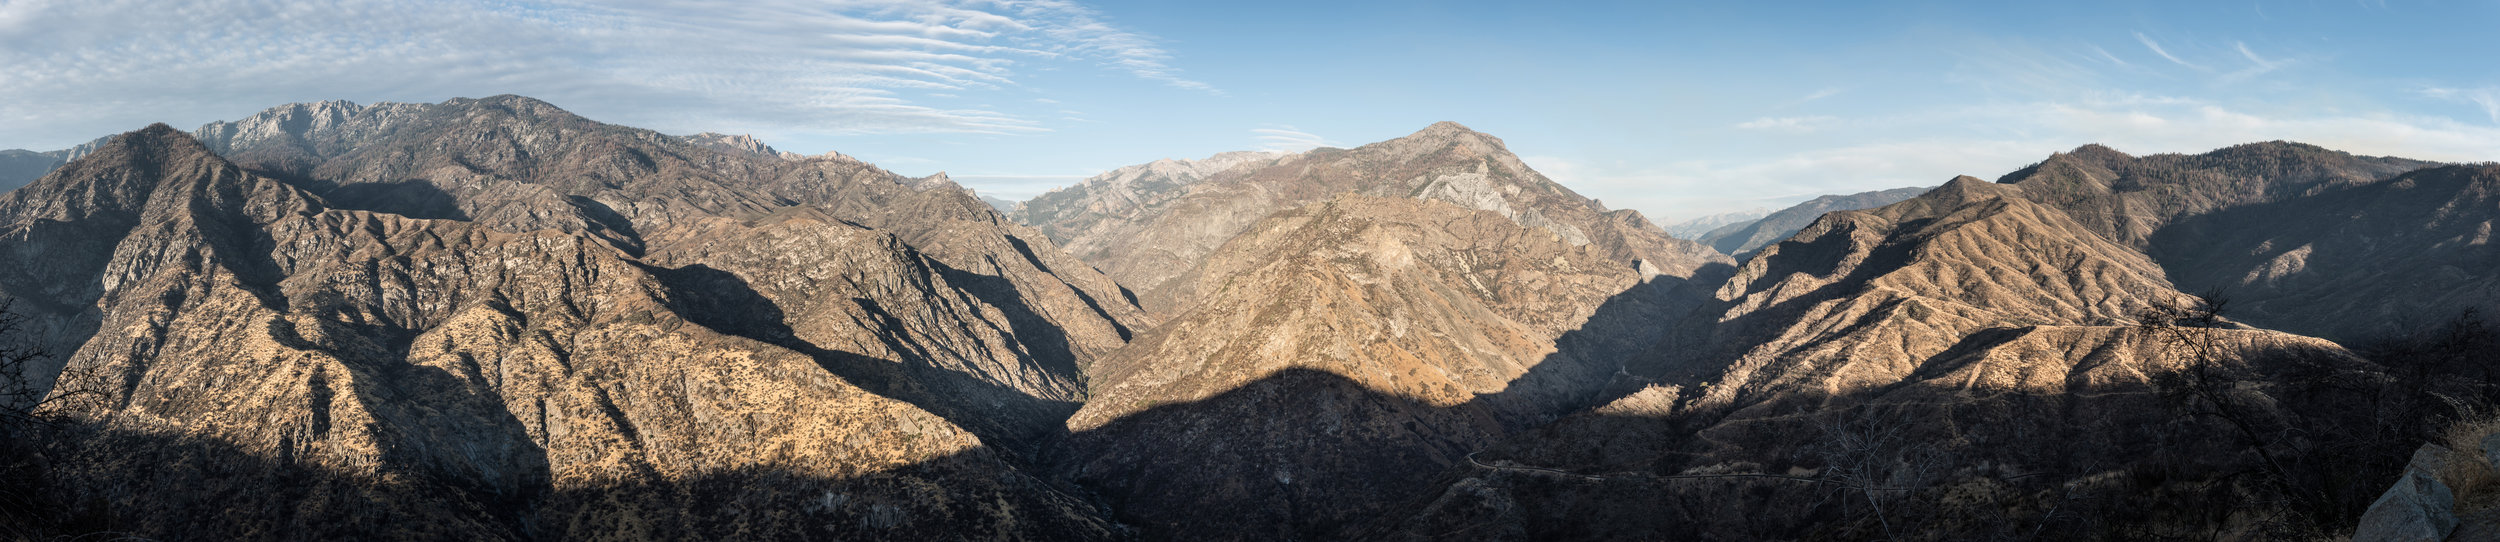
pixel 1125 194
pixel 739 144
pixel 1148 229
pixel 1968 344
pixel 2419 508
pixel 1341 323
pixel 1358 346
pixel 1741 239
pixel 1863 298
pixel 516 164
pixel 607 348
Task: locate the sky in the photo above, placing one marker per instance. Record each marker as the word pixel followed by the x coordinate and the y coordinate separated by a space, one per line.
pixel 1676 109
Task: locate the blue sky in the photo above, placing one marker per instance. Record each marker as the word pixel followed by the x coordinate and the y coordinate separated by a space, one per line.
pixel 1675 109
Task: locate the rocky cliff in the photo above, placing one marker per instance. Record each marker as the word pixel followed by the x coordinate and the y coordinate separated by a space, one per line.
pixel 485 379
pixel 1149 242
pixel 516 164
pixel 1963 363
pixel 1352 348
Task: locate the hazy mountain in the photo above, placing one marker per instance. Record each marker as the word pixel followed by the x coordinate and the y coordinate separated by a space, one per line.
pixel 1122 194
pixel 1693 229
pixel 1151 231
pixel 1002 205
pixel 18 166
pixel 1742 239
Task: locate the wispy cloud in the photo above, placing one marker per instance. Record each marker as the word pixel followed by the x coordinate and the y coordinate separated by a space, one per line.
pixel 1082 29
pixel 2487 97
pixel 69 68
pixel 1287 139
pixel 2113 59
pixel 2156 47
pixel 1789 124
pixel 2258 65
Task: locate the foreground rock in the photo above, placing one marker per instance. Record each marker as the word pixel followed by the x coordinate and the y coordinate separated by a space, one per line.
pixel 2419 508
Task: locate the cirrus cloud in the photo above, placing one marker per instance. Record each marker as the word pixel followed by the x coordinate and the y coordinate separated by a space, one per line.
pixel 72 69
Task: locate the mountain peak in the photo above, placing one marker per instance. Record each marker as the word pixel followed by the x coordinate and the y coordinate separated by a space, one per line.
pixel 740 143
pixel 1451 131
pixel 2098 152
pixel 1965 188
pixel 155 140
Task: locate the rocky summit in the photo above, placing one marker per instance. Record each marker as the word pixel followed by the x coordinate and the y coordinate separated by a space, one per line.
pixel 495 319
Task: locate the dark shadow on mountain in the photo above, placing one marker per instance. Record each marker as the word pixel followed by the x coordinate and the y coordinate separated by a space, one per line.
pixel 1029 257
pixel 408 198
pixel 126 484
pixel 1697 350
pixel 608 225
pixel 2352 263
pixel 1593 364
pixel 1043 346
pixel 1308 454
pixel 1003 417
pixel 1295 455
pixel 2094 462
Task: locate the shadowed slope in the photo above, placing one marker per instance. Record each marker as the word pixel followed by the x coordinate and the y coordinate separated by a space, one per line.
pixel 2354 264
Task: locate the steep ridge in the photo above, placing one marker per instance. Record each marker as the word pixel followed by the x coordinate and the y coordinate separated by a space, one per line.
pixel 1743 238
pixel 2205 216
pixel 1344 351
pixel 2354 263
pixel 515 164
pixel 1153 240
pixel 300 370
pixel 1861 298
pixel 2127 198
pixel 1968 347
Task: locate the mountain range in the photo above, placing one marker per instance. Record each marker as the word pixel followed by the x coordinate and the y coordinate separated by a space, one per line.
pixel 495 319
